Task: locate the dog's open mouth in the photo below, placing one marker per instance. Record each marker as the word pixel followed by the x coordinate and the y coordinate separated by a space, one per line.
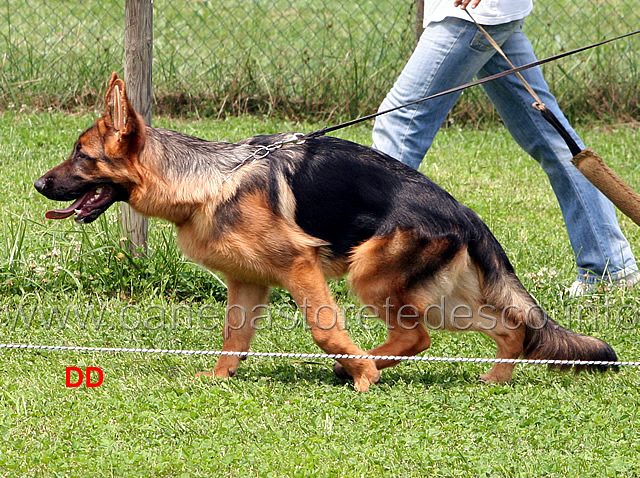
pixel 88 207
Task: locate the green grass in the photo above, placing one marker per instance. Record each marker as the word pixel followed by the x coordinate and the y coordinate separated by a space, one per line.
pixel 297 58
pixel 64 284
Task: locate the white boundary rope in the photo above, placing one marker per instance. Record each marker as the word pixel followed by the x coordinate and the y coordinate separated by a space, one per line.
pixel 294 355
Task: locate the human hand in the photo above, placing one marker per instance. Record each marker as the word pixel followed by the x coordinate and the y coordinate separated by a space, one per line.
pixel 464 3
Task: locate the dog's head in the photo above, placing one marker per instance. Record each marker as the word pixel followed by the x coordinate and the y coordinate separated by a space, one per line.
pixel 102 168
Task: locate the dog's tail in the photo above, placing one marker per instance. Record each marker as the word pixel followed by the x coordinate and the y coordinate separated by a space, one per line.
pixel 544 339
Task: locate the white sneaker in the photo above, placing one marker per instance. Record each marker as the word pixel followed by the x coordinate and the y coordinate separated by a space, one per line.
pixel 630 281
pixel 580 289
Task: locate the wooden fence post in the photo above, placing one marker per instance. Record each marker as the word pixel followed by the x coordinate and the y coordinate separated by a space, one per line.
pixel 418 28
pixel 138 41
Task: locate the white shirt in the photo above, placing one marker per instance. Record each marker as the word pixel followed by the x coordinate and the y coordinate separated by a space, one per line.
pixel 488 12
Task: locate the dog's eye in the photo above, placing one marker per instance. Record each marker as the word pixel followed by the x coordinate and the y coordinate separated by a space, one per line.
pixel 82 156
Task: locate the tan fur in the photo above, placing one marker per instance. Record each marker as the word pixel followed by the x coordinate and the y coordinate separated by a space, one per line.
pixel 452 300
pixel 230 224
pixel 266 247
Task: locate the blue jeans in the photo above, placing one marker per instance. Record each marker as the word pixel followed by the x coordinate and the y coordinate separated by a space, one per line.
pixel 452 52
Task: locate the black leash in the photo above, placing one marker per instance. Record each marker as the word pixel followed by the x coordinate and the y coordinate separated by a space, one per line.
pixel 329 129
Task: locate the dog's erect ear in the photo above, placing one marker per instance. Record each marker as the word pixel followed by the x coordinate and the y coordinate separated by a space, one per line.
pixel 119 113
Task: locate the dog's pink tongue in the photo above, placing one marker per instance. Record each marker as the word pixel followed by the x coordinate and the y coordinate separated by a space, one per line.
pixel 64 213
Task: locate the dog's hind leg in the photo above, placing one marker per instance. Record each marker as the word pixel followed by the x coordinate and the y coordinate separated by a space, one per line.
pixel 307 284
pixel 245 303
pixel 507 309
pixel 510 342
pixel 405 338
pixel 378 273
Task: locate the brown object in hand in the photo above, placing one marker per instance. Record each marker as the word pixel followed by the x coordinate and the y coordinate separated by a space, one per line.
pixel 607 181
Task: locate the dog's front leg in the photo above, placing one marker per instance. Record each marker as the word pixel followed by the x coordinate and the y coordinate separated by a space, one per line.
pixel 245 303
pixel 309 289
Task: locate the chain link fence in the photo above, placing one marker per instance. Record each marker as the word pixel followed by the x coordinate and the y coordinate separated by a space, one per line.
pixel 327 59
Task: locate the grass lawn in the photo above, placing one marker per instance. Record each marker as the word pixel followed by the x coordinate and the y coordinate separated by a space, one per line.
pixel 65 284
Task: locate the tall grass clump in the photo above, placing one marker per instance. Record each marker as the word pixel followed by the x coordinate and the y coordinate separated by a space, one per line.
pixel 77 259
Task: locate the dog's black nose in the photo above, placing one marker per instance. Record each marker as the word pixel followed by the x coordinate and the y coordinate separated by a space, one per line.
pixel 40 184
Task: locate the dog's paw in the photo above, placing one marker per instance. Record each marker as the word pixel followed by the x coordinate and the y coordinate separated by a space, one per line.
pixel 226 367
pixel 228 374
pixel 203 374
pixel 223 372
pixel 364 381
pixel 215 374
pixel 365 375
pixel 489 378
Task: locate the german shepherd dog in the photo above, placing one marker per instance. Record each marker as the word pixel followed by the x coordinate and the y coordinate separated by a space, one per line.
pixel 321 208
